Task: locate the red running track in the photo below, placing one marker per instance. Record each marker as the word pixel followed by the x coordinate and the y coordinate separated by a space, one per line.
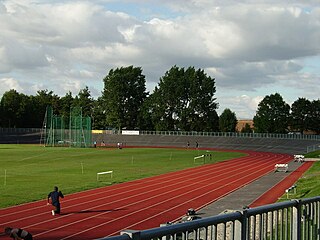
pixel 139 204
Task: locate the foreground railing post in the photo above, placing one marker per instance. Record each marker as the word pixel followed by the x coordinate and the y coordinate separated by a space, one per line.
pixel 296 224
pixel 237 230
pixel 244 225
pixel 317 229
pixel 133 234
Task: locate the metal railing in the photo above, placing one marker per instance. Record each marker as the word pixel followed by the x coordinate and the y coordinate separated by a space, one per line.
pixel 296 220
pixel 186 133
pixel 20 130
pixel 313 148
pixel 233 134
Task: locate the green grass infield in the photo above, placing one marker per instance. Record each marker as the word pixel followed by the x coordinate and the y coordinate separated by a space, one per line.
pixel 28 172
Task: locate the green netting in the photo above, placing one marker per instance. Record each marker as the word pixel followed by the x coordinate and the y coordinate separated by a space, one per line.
pixel 80 129
pixel 76 133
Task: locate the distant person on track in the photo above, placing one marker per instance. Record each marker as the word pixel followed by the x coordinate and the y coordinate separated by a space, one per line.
pixel 55 196
pixel 17 233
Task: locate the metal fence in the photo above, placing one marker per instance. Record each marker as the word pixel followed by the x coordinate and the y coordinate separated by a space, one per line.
pixel 186 133
pixel 20 130
pixel 313 148
pixel 233 134
pixel 296 219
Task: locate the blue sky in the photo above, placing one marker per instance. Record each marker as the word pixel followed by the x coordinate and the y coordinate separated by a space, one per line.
pixel 144 10
pixel 252 48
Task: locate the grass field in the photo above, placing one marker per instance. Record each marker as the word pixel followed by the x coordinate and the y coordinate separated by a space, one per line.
pixel 28 172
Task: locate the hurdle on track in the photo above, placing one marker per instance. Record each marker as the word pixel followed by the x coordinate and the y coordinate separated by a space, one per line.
pixel 103 173
pixel 199 157
pixel 298 158
pixel 290 189
pixel 281 167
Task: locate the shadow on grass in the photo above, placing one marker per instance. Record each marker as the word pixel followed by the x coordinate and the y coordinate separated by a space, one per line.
pixel 305 193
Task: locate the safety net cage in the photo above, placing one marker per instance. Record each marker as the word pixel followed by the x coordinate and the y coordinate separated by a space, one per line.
pixel 74 131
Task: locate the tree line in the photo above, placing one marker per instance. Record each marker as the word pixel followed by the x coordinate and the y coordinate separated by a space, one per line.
pixel 183 100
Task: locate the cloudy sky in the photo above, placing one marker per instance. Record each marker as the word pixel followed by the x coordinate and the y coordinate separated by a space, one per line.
pixel 252 48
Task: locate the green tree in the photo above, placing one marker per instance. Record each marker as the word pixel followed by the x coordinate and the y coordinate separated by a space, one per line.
pixel 166 99
pixel 314 119
pixel 202 104
pixel 228 121
pixel 98 116
pixel 145 116
pixel 85 101
pixel 20 110
pixel 43 99
pixel 300 113
pixel 273 115
pixel 66 103
pixel 184 100
pixel 12 105
pixel 1 115
pixel 31 118
pixel 124 93
pixel 247 128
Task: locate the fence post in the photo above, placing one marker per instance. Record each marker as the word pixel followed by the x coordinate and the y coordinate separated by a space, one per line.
pixel 244 225
pixel 237 230
pixel 296 224
pixel 133 234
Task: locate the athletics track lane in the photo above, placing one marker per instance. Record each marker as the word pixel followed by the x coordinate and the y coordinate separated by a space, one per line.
pixel 140 204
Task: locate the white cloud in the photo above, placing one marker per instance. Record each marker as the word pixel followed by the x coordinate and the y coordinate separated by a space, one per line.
pixel 8 84
pixel 128 32
pixel 71 84
pixel 252 48
pixel 245 106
